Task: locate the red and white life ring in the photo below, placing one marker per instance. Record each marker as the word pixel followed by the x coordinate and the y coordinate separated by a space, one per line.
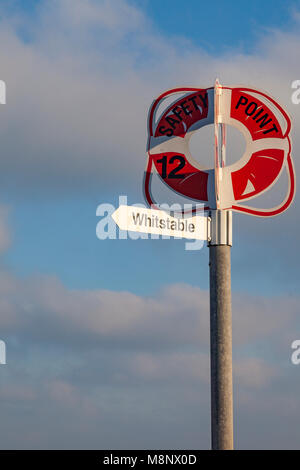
pixel 262 121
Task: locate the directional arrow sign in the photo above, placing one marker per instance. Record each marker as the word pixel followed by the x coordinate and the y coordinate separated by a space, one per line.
pixel 137 219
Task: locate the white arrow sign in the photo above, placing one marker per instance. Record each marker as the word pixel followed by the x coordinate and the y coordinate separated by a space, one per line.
pixel 137 219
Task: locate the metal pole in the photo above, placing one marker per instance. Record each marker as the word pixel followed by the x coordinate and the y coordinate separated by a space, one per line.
pixel 221 330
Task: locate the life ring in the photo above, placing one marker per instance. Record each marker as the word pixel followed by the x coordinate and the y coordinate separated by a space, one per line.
pixel 262 121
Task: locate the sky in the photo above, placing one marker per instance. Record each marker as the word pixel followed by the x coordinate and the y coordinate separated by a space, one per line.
pixel 108 340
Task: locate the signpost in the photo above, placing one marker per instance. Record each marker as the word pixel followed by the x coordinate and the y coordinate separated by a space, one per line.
pixel 137 219
pixel 222 189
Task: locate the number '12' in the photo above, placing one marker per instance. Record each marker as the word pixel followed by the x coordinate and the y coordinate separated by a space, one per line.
pixel 173 173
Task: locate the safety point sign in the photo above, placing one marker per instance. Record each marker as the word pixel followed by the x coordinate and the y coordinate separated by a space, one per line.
pixel 264 124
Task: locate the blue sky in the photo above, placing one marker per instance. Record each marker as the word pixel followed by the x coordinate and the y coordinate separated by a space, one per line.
pixel 65 226
pixel 58 248
pixel 217 27
pixel 93 328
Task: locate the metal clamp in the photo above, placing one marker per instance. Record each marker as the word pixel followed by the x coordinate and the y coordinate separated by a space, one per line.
pixel 219 227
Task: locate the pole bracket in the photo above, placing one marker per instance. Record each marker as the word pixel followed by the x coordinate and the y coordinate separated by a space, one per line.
pixel 219 227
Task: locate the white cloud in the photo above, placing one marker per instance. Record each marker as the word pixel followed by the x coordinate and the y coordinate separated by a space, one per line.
pixel 253 373
pixel 78 115
pixel 43 309
pixel 98 357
